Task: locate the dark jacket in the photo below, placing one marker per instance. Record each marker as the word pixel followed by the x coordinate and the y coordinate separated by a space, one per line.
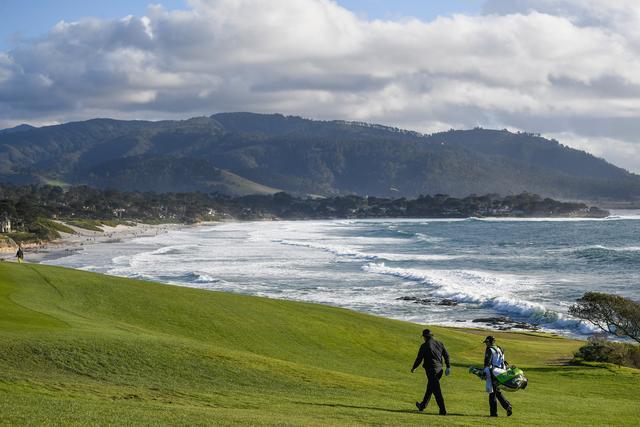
pixel 432 353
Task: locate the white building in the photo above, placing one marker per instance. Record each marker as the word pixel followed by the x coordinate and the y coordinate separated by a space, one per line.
pixel 5 223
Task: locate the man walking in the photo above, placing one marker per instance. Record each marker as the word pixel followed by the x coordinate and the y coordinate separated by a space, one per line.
pixel 494 362
pixel 432 352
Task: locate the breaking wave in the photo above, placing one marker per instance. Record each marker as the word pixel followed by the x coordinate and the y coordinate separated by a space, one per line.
pixel 484 290
pixel 524 269
pixel 349 252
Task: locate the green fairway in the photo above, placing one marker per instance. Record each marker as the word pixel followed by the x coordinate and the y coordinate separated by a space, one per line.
pixel 86 349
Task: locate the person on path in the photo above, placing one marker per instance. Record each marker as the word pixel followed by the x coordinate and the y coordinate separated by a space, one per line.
pixel 431 354
pixel 20 254
pixel 494 359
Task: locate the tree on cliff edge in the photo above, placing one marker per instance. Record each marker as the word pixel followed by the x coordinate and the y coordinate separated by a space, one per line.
pixel 612 313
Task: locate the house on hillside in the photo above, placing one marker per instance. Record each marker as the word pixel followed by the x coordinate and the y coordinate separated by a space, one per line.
pixel 119 212
pixel 5 223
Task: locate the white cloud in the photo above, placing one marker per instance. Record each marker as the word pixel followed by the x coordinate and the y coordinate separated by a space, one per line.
pixel 561 67
pixel 622 154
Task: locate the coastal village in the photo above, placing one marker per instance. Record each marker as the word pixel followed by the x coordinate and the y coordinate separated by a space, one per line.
pixel 7 244
pixel 35 215
pixel 35 218
pixel 5 223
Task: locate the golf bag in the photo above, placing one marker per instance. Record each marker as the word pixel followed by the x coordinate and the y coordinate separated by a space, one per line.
pixel 510 379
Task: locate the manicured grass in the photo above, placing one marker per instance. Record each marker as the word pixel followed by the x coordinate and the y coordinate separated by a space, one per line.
pixel 95 224
pixel 23 237
pixel 54 182
pixel 55 225
pixel 116 222
pixel 87 224
pixel 81 348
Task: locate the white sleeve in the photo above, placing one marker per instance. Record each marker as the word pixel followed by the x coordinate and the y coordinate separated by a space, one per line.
pixel 488 385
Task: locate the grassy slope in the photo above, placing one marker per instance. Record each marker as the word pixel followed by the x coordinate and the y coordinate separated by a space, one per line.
pixel 243 186
pixel 80 348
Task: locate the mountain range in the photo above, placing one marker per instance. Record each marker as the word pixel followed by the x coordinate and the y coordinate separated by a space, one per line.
pixel 245 153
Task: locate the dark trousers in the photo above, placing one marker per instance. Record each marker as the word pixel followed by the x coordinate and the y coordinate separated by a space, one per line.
pixel 433 387
pixel 493 406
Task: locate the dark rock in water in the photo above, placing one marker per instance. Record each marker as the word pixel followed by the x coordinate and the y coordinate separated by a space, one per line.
pixel 493 320
pixel 461 321
pixel 426 301
pixel 504 323
pixel 524 325
pixel 416 300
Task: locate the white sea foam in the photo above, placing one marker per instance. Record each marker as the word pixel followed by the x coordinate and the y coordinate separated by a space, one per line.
pixel 174 250
pixel 120 260
pixel 609 248
pixel 342 251
pixel 89 268
pixel 416 257
pixel 484 289
pixel 624 214
pixel 297 260
pixel 350 252
pixel 548 219
pixel 430 239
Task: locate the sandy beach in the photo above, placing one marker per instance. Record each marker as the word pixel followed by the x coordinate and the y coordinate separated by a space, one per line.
pixel 70 243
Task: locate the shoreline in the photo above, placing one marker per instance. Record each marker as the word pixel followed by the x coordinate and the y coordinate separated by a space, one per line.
pixel 69 244
pixel 478 328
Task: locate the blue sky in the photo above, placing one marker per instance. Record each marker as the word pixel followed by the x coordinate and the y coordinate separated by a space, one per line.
pixel 31 18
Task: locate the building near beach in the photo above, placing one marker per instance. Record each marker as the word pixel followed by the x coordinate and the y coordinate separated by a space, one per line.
pixel 5 223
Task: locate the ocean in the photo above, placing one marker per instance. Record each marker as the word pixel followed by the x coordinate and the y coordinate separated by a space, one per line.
pixel 429 271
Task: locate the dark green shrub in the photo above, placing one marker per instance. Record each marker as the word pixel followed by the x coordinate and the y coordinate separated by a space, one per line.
pixel 599 349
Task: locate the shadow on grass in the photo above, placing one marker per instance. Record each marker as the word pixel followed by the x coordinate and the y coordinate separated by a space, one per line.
pixel 571 368
pixel 373 408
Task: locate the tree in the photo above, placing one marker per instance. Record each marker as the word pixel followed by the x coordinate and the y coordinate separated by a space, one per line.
pixel 611 313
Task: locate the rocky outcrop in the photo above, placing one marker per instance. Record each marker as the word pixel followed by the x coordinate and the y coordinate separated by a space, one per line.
pixel 427 301
pixel 416 300
pixel 504 323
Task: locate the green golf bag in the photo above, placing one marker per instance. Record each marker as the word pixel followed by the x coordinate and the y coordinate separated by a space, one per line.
pixel 510 379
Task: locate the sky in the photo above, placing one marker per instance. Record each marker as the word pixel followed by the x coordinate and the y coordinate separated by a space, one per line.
pixel 568 69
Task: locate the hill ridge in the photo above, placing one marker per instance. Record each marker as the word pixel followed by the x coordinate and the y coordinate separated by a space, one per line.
pixel 304 156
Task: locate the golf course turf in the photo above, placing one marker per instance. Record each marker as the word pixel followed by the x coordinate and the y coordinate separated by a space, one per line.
pixel 88 349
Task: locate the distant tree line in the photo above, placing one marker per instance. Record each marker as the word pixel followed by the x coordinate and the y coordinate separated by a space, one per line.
pixel 28 205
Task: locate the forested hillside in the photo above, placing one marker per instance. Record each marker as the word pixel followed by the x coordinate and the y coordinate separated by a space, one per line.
pixel 245 153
